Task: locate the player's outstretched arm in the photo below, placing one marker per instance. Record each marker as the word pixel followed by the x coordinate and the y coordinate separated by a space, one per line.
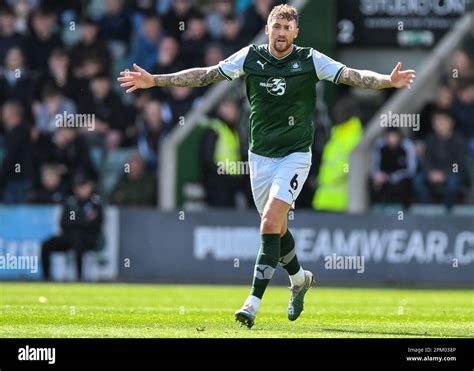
pixel 373 80
pixel 194 77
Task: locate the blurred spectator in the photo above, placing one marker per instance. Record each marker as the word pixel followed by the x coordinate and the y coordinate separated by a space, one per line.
pixel 57 74
pixel 181 100
pixel 213 55
pixel 43 39
pixel 215 20
pixel 460 67
pixel 15 81
pixel 463 110
pixel 168 60
pixel 89 46
pixel 145 46
pixel 231 38
pixel 91 67
pixel 49 114
pixel 332 181
pixel 443 100
pixel 393 168
pixel 137 187
pixel 444 169
pixel 175 22
pixel 9 38
pixel 115 27
pixel 65 147
pixel 16 172
pixel 221 157
pixel 195 38
pixel 150 133
pixel 81 224
pixel 108 110
pixel 51 190
pixel 255 18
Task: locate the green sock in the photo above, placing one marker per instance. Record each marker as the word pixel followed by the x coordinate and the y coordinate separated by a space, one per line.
pixel 267 261
pixel 288 258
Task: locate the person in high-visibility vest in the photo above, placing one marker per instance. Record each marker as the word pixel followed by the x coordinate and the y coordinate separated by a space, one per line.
pixel 221 157
pixel 332 193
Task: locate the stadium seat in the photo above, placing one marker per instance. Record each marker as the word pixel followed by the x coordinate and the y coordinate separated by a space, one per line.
pixel 429 210
pixel 463 210
pixel 388 209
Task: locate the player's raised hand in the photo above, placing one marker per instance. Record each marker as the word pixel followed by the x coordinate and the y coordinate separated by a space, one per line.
pixel 141 79
pixel 402 79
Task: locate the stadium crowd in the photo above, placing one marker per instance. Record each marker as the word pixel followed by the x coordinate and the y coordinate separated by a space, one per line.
pixel 58 61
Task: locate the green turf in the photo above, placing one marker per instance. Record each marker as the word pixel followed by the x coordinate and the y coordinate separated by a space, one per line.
pixel 121 310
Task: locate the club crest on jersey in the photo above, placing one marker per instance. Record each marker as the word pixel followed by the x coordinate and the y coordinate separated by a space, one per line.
pixel 296 66
pixel 275 85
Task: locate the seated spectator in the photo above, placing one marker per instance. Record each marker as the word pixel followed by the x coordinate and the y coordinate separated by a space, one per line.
pixel 89 46
pixel 150 133
pixel 443 100
pixel 16 81
pixel 16 172
pixel 216 18
pixel 145 46
pixel 67 148
pixel 42 40
pixel 393 168
pixel 81 225
pixel 181 100
pixel 255 18
pixel 9 38
pixel 49 115
pixel 444 168
pixel 51 190
pixel 136 187
pixel 115 27
pixel 332 192
pixel 221 157
pixel 231 37
pixel 109 113
pixel 463 110
pixel 195 38
pixel 57 74
pixel 168 60
pixel 176 19
pixel 213 55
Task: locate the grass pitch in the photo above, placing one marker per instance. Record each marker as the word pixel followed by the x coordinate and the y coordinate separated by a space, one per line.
pixel 179 311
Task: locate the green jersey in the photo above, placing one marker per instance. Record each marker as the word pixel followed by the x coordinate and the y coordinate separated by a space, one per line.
pixel 282 95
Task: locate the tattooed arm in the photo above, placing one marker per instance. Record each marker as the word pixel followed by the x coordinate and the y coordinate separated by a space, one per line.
pixel 373 80
pixel 194 77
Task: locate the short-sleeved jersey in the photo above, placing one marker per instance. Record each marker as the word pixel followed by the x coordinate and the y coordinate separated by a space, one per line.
pixel 282 95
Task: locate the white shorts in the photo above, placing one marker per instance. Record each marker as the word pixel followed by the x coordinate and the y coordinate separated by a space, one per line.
pixel 281 178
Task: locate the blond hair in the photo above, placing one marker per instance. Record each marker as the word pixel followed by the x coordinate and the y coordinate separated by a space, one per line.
pixel 285 11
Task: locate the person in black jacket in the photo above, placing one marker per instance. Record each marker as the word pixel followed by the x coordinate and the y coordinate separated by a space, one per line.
pixel 81 224
pixel 16 171
pixel 445 162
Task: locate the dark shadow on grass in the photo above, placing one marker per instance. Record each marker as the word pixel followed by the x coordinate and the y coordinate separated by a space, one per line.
pixel 390 333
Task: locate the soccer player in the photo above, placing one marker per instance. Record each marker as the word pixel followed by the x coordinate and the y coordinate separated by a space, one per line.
pixel 280 80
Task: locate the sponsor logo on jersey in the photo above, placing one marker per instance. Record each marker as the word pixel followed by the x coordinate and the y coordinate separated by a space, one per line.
pixel 296 66
pixel 275 86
